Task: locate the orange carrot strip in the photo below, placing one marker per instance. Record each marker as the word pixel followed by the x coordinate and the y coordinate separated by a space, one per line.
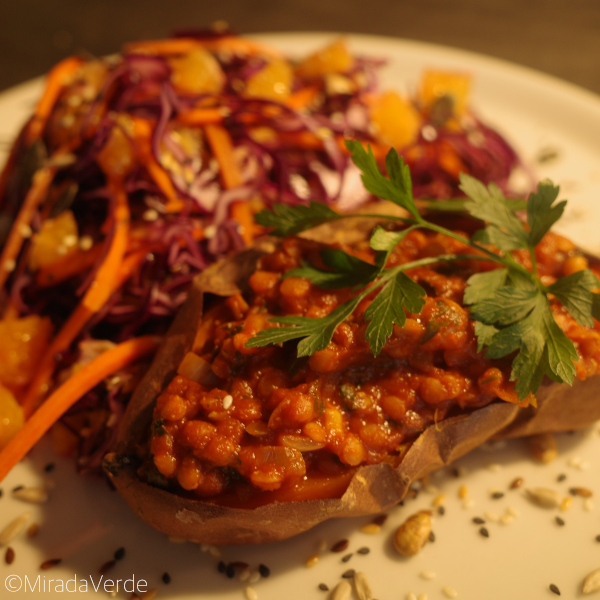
pixel 184 45
pixel 57 78
pixel 201 116
pixel 69 393
pixel 243 213
pixel 94 299
pixel 303 97
pixel 222 146
pixel 35 196
pixel 143 135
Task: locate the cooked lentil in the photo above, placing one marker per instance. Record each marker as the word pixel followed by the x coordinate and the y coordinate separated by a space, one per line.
pixel 306 432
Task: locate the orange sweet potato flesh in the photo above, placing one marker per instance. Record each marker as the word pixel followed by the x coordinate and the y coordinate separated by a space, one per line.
pixel 371 489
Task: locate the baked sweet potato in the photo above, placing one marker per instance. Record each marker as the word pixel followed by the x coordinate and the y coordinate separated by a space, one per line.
pixel 365 489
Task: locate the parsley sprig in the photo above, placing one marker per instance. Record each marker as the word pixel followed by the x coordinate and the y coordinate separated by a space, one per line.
pixel 510 305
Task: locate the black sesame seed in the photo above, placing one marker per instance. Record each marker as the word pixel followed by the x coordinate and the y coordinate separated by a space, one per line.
pixel 346 558
pixel 166 578
pixel 559 521
pixel 49 467
pixel 441 511
pixel 230 571
pixel 554 589
pixel 431 536
pixel 324 587
pixel 1 492
pixel 484 532
pixel 598 538
pixel 17 488
pixel 349 574
pixel 497 495
pixel 221 567
pixel 561 477
pixel 363 550
pixel 264 570
pixel 119 553
pixel 478 520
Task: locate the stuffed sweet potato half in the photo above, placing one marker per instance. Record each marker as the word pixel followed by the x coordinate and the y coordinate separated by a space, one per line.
pixel 276 402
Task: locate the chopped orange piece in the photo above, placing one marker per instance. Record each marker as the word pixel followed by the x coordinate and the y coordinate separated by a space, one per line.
pixel 197 72
pixel 57 240
pixel 439 84
pixel 335 58
pixel 395 120
pixel 11 416
pixel 272 82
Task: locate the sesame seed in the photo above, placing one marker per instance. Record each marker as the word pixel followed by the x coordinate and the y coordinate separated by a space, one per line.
pixel 251 593
pixel 449 592
pixel 427 575
pixel 119 553
pixel 323 587
pixel 491 516
pixel 9 556
pixel 349 574
pixel 478 520
pixel 516 483
pixel 561 477
pixel 441 511
pixel 484 532
pixel 559 521
pixel 497 495
pixel 254 577
pixel 264 570
pixel 588 504
pixel 554 589
pixel 363 550
pixel 347 557
pixel 166 578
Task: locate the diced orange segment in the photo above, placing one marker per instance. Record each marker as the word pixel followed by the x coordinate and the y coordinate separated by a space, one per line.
pixel 439 84
pixel 57 239
pixel 395 120
pixel 198 72
pixel 117 156
pixel 272 82
pixel 23 343
pixel 335 58
pixel 11 416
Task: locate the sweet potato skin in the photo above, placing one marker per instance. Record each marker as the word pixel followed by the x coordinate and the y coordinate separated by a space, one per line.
pixel 372 488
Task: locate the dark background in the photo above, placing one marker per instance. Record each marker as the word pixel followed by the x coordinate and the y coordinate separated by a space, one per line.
pixel 560 37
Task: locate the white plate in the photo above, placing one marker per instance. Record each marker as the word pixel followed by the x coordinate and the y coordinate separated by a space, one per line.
pixel 83 523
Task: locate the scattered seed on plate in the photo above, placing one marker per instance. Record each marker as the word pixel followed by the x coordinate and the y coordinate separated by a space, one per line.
pixel 516 483
pixel 559 521
pixel 166 578
pixel 554 589
pixel 478 520
pixel 581 491
pixel 441 510
pixel 561 477
pixel 264 570
pixel 506 519
pixel 463 491
pixel 449 592
pixel 592 582
pixel 362 586
pixel 33 530
pixel 340 546
pixel 484 532
pixel 119 553
pixel 251 593
pixel 13 528
pixel 370 528
pixel 468 503
pixel 254 577
pixel 431 537
pixel 422 596
pixel 311 561
pixel 50 563
pixel 544 497
pixel 363 550
pixel 588 504
pixel 497 495
pixel 323 587
pixel 494 467
pixel 349 574
pixel 35 495
pixel 347 557
pixel 9 556
pixel 438 500
pixel 491 516
pixel 341 591
pixel 566 503
pixel 428 575
pixel 411 596
pixel 411 536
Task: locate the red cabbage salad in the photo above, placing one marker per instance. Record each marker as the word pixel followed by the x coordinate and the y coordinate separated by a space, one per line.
pixel 137 171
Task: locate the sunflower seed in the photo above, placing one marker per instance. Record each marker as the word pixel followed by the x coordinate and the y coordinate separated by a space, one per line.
pixel 362 587
pixel 592 582
pixel 544 497
pixel 13 528
pixel 341 591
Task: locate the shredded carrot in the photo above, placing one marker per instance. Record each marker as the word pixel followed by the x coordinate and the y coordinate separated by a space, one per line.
pixel 243 213
pixel 35 196
pixel 303 97
pixel 69 393
pixel 185 45
pixel 222 146
pixel 99 291
pixel 57 78
pixel 201 116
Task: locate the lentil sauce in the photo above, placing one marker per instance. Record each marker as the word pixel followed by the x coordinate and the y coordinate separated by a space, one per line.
pixel 240 421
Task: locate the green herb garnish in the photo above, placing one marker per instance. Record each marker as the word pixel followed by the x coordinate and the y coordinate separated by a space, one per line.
pixel 509 305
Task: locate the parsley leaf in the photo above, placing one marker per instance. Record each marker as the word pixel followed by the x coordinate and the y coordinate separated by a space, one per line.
pixel 347 270
pixel 388 307
pixel 482 285
pixel 541 214
pixel 290 220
